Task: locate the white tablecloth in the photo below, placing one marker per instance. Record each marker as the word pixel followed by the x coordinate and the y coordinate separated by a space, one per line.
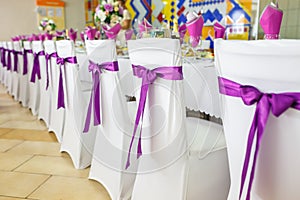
pixel 200 82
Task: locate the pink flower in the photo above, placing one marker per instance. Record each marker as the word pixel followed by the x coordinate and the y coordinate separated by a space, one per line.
pixel 108 7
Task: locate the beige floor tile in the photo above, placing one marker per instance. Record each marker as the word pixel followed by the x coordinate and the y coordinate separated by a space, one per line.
pixel 21 124
pixel 17 184
pixel 37 148
pixel 10 161
pixel 68 188
pixel 33 135
pixel 61 166
pixel 10 198
pixel 8 144
pixel 5 130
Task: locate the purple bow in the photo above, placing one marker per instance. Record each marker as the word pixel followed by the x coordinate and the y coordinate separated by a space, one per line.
pixel 96 70
pixel 9 52
pixel 277 103
pixel 61 62
pixel 25 60
pixel 48 57
pixel 16 59
pixel 36 71
pixel 148 77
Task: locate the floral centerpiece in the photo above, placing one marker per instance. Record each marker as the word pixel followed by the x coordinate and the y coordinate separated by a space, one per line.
pixel 108 13
pixel 47 25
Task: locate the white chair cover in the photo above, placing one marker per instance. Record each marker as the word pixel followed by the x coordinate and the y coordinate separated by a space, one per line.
pixel 45 95
pixel 34 88
pixel 273 67
pixel 113 135
pixel 162 169
pixel 24 78
pixel 16 75
pixel 9 79
pixel 57 116
pixel 78 145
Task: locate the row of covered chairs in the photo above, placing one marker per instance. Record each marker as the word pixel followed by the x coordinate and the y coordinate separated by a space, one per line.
pixel 82 102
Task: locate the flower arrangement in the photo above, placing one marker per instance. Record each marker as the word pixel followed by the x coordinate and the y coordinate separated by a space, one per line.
pixel 108 13
pixel 47 25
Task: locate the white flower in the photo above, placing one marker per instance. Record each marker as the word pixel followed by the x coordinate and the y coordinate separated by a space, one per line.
pixel 116 4
pixel 110 1
pixel 101 15
pixel 51 21
pixel 104 2
pixel 40 28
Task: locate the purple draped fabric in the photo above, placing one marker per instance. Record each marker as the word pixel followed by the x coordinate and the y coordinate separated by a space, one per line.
pixel 96 70
pixel 148 77
pixel 25 60
pixel 16 59
pixel 3 50
pixel 265 102
pixel 48 57
pixel 61 61
pixel 36 71
pixel 9 52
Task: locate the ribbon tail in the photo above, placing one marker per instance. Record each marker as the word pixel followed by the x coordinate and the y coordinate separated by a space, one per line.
pixel 96 88
pixel 34 69
pixel 60 102
pixel 15 62
pixel 140 113
pixel 47 73
pixel 248 151
pixel 25 62
pixel 88 115
pixel 9 61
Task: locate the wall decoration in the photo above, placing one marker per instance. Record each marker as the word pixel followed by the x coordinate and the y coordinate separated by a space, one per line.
pixel 52 10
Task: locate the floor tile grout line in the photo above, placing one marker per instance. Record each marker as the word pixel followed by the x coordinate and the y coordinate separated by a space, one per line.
pixel 7 150
pixel 39 186
pixel 13 170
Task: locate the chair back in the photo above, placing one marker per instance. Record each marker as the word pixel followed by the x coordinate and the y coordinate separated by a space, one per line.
pixel 271 67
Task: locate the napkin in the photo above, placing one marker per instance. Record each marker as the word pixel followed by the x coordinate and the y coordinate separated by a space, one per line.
pixel 182 30
pixel 219 30
pixel 270 21
pixel 194 26
pixel 73 34
pixel 128 34
pixel 82 36
pixel 112 32
pixel 49 36
pixel 42 37
pixel 60 34
pixel 90 32
pixel 144 26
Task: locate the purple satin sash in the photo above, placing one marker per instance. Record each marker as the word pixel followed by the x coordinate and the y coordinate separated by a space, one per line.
pixel 148 77
pixel 96 70
pixel 16 59
pixel 25 60
pixel 48 57
pixel 36 71
pixel 277 103
pixel 61 95
pixel 9 59
pixel 3 50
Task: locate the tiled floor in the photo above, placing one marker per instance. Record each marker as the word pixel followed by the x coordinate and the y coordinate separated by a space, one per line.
pixel 32 166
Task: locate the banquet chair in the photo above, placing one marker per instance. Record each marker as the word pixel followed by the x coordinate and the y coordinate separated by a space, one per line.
pixel 9 70
pixel 25 73
pixel 35 76
pixel 112 136
pixel 78 145
pixel 163 139
pixel 16 66
pixel 57 116
pixel 256 76
pixel 45 92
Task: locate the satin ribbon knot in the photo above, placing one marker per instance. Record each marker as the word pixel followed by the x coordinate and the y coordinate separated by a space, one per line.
pixel 148 77
pixel 48 57
pixel 96 70
pixel 36 71
pixel 61 62
pixel 25 60
pixel 265 102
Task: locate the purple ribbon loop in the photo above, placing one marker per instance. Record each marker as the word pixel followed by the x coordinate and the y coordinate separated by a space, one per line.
pixel 25 60
pixel 48 57
pixel 61 96
pixel 9 59
pixel 277 103
pixel 148 77
pixel 16 59
pixel 36 71
pixel 96 70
